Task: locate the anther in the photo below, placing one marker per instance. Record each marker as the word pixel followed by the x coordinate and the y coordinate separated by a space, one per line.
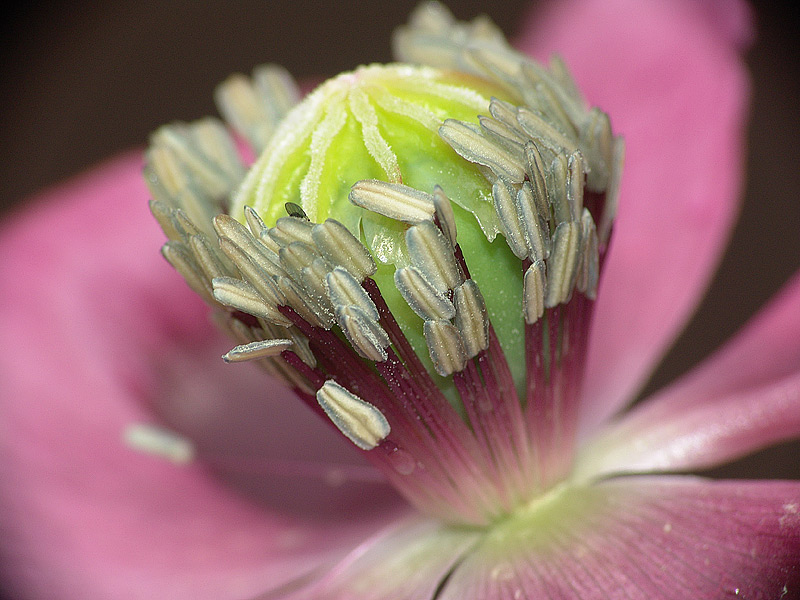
pixel 502 134
pixel 421 296
pixel 557 189
pixel 431 253
pixel 256 350
pixel 163 214
pixel 295 256
pixel 597 142
pixel 471 318
pixel 563 264
pixel 575 179
pixel 446 347
pixel 542 131
pixel 247 245
pixel 242 296
pixel 504 205
pixel 292 229
pixel 364 333
pixel 535 240
pixel 360 421
pixel 184 263
pixel 444 213
pixel 312 278
pixel 160 442
pixel 260 274
pixel 335 242
pixel 589 268
pixel 209 259
pixel 534 292
pixel 469 142
pixel 346 290
pixel 254 221
pixel 394 200
pixel 304 304
pixel 536 176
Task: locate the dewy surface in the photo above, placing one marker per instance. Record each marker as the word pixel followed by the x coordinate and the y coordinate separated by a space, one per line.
pixel 415 252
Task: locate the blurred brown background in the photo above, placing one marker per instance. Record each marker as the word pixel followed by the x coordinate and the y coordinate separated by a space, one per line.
pixel 84 80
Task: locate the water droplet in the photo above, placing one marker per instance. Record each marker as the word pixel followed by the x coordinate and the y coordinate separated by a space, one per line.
pixel 402 461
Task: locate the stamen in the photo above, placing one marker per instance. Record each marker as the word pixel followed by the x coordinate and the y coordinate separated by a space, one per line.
pixel 183 152
pixel 503 134
pixel 259 277
pixel 574 186
pixel 243 296
pixel 558 194
pixel 256 350
pixel 563 263
pixel 295 257
pixel 360 421
pixel 506 211
pixel 393 200
pixel 340 247
pixel 160 442
pixel 536 174
pixel 306 306
pixel 534 292
pixel 364 333
pixel 471 318
pixel 597 144
pixel 502 65
pixel 423 298
pixel 257 226
pixel 466 139
pixel 443 212
pixel 182 261
pixel 431 253
pixel 446 347
pixel 542 131
pixel 535 241
pixel 278 88
pixel 346 290
pixel 612 193
pixel 292 229
pixel 312 278
pixel 229 228
pixel 589 269
pixel 209 259
pixel 163 215
pixel 255 108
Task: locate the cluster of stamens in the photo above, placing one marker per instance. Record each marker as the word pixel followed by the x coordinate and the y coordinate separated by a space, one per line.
pixel 302 299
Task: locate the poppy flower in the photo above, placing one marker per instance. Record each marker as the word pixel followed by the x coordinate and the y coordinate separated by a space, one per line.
pixel 570 496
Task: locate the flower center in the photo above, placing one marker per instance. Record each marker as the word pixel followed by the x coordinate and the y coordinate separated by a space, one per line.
pixel 364 265
pixel 382 122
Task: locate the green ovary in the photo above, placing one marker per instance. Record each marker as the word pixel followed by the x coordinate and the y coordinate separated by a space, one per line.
pixel 320 151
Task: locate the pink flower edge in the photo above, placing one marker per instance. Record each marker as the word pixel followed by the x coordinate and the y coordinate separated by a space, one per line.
pixel 104 334
pixel 744 398
pixel 664 70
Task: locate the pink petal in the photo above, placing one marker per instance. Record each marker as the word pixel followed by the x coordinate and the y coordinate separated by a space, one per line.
pixel 744 398
pixel 641 539
pixel 98 332
pixel 670 75
pixel 406 561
